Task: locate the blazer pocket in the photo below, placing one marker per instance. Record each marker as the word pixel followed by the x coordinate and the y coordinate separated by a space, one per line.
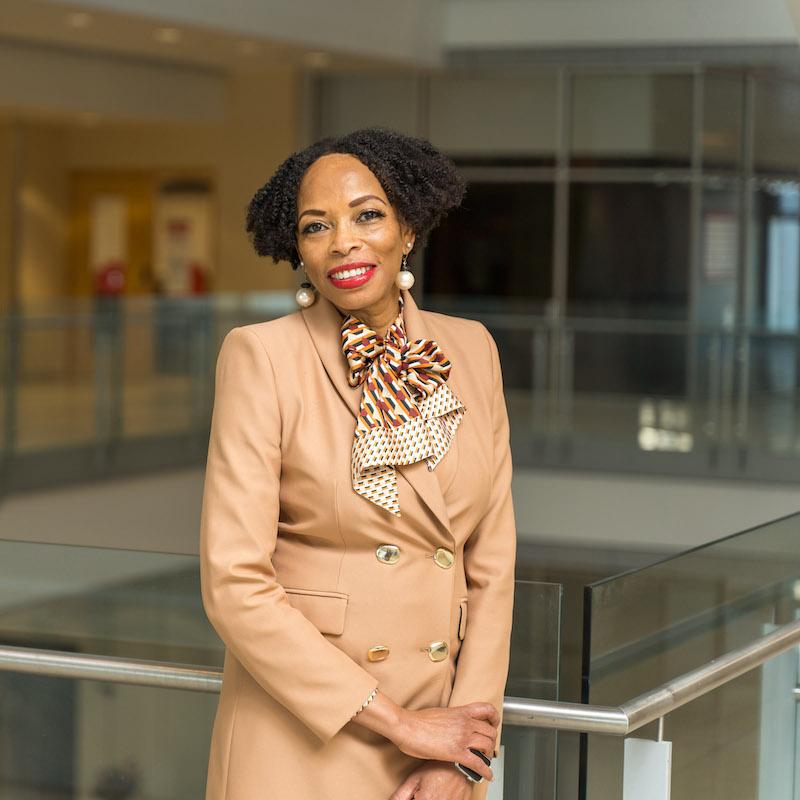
pixel 325 610
pixel 462 620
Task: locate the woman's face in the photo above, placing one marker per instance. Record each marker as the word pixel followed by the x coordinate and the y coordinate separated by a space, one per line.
pixel 346 224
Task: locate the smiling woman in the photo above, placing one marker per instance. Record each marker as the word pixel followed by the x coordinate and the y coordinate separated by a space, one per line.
pixel 358 502
pixel 346 210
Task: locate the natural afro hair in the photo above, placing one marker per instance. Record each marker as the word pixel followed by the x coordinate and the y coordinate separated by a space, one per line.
pixel 420 182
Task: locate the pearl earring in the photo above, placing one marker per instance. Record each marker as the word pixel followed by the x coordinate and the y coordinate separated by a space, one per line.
pixel 305 295
pixel 405 278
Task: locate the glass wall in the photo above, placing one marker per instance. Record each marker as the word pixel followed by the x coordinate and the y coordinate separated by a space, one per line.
pixel 650 626
pixel 632 236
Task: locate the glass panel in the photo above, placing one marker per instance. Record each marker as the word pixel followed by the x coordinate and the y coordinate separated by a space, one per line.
pixel 148 605
pixel 738 742
pixel 777 126
pixel 166 354
pixel 629 250
pixel 769 413
pixel 770 360
pixel 108 385
pixel 54 382
pixel 630 390
pixel 495 251
pixel 8 335
pixel 347 102
pixel 723 99
pixel 522 120
pixel 649 626
pixel 529 768
pixel 63 738
pixel 714 299
pixel 105 602
pixel 776 243
pixel 631 120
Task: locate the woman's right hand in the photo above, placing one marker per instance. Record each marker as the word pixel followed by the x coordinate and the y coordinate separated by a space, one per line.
pixel 446 734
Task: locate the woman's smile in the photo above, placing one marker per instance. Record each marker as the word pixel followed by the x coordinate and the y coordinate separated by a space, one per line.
pixel 351 275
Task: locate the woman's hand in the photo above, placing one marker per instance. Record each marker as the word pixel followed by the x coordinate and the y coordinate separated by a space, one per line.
pixel 434 780
pixel 445 734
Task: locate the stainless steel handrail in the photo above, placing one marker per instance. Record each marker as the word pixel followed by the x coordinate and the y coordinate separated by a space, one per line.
pixel 613 720
pixel 657 703
pixel 110 669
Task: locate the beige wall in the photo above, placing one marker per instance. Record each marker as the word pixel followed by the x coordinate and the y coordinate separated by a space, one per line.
pixel 43 204
pixel 260 128
pixel 7 136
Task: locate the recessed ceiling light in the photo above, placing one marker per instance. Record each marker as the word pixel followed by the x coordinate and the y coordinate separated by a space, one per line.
pixel 79 19
pixel 168 35
pixel 316 59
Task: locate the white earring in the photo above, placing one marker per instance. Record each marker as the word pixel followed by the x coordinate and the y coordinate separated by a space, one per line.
pixel 305 295
pixel 405 278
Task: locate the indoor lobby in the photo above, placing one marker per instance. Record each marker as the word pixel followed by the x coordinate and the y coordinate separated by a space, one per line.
pixel 630 237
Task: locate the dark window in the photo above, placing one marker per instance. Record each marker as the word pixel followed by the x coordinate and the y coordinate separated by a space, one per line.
pixel 498 244
pixel 629 250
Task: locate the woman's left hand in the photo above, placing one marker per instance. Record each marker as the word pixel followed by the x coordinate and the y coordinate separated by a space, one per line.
pixel 434 780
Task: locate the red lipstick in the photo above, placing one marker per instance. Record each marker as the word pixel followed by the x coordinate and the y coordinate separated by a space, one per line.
pixel 365 272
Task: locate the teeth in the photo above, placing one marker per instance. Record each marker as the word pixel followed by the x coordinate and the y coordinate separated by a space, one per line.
pixel 350 273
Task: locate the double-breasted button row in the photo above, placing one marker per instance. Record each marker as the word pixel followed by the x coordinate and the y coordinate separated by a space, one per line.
pixel 437 651
pixel 390 554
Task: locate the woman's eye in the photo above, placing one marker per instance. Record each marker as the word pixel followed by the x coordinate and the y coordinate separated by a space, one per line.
pixel 311 229
pixel 372 211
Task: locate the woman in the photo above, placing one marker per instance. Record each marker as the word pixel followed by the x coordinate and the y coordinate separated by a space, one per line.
pixel 357 539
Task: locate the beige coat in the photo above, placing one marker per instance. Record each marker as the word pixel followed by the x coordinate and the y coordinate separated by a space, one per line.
pixel 295 583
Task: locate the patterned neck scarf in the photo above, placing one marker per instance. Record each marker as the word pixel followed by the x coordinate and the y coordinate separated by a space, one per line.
pixel 408 412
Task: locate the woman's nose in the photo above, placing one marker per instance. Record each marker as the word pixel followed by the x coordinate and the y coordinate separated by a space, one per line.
pixel 344 239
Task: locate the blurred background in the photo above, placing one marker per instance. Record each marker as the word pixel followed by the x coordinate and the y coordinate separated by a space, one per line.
pixel 630 235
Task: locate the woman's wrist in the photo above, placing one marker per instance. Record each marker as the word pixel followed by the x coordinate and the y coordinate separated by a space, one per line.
pixel 382 715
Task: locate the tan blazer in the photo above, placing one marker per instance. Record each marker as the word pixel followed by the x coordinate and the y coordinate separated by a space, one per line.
pixel 296 579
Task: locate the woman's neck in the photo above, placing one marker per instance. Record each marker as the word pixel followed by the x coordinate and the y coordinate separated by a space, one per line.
pixel 378 317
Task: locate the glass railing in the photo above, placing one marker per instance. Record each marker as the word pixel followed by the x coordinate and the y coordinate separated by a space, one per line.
pixel 105 738
pixel 115 387
pixel 649 627
pixel 530 756
pixel 129 387
pixel 646 396
pixel 106 602
pixel 107 662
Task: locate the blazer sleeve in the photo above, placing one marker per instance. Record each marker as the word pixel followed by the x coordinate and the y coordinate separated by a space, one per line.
pixel 489 563
pixel 282 650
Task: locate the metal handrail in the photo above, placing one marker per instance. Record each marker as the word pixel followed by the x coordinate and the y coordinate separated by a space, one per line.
pixel 109 669
pixel 657 703
pixel 518 711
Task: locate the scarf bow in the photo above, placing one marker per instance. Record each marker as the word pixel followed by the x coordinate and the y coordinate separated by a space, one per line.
pixel 408 412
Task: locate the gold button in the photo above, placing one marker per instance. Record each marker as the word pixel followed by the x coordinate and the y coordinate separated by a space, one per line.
pixel 437 651
pixel 378 653
pixel 444 557
pixel 388 553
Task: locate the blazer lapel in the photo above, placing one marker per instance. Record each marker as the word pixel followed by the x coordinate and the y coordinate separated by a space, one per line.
pixel 324 322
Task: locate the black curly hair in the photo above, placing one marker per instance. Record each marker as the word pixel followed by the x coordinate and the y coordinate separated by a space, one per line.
pixel 420 182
